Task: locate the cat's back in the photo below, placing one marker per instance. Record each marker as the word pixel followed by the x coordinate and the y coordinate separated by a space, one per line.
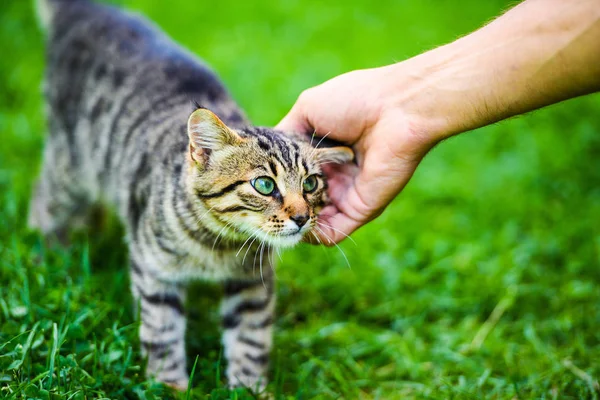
pixel 116 84
pixel 93 48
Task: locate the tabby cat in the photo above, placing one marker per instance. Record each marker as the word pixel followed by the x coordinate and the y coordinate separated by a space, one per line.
pixel 202 196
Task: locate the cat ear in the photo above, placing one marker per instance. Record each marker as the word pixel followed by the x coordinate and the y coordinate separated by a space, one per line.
pixel 336 155
pixel 208 133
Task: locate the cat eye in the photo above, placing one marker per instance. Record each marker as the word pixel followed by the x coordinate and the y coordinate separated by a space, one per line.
pixel 263 185
pixel 310 184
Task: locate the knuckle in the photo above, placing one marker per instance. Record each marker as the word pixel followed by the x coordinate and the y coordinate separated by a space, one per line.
pixel 301 98
pixel 305 95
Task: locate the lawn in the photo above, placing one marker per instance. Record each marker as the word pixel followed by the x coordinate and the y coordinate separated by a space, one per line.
pixel 482 279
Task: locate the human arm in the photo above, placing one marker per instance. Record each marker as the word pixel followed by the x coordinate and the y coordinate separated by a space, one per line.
pixel 538 53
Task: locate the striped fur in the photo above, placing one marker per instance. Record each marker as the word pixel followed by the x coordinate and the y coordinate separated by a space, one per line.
pixel 122 133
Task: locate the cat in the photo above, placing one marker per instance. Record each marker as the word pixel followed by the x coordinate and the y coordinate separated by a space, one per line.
pixel 202 193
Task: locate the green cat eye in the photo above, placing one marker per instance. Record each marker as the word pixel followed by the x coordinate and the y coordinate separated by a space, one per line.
pixel 310 184
pixel 263 185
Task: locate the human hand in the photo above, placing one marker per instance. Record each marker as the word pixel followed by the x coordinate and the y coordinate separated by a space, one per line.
pixel 355 109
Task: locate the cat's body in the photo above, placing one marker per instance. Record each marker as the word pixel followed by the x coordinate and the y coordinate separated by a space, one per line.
pixel 191 191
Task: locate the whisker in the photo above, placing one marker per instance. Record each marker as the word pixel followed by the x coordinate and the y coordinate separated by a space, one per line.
pixel 255 254
pixel 337 230
pixel 244 244
pixel 262 278
pixel 205 214
pixel 322 247
pixel 241 248
pixel 336 245
pixel 248 249
pixel 262 248
pixel 319 142
pixel 327 237
pixel 325 162
pixel 273 249
pixel 317 146
pixel 259 250
pixel 220 232
pixel 316 237
pixel 270 256
pixel 256 235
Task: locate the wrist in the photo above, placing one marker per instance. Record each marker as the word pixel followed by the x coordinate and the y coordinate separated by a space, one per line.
pixel 417 89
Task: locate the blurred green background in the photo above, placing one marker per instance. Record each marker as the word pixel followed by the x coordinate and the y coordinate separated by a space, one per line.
pixel 482 280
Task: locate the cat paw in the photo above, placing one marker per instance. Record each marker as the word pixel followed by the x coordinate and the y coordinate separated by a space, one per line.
pixel 180 385
pixel 257 385
pixel 176 378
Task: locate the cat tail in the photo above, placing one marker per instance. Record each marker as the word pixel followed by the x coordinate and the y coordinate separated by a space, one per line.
pixel 47 9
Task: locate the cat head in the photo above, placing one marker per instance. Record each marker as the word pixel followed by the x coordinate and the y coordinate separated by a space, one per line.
pixel 256 182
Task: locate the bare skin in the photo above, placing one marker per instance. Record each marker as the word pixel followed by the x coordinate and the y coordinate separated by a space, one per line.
pixel 538 53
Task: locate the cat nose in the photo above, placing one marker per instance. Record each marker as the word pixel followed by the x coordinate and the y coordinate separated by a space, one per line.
pixel 300 219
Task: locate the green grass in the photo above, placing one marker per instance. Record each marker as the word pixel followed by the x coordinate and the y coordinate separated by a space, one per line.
pixel 482 280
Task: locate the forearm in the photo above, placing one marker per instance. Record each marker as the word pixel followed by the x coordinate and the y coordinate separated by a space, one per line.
pixel 540 52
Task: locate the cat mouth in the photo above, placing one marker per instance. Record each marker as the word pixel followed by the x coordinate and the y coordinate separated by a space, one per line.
pixel 287 239
pixel 298 232
pixel 294 232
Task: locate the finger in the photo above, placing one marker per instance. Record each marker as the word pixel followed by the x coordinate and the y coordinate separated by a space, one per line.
pixel 374 187
pixel 334 228
pixel 294 121
pixel 313 236
pixel 356 200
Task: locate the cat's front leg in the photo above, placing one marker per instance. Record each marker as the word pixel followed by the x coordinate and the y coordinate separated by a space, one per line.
pixel 247 313
pixel 162 329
